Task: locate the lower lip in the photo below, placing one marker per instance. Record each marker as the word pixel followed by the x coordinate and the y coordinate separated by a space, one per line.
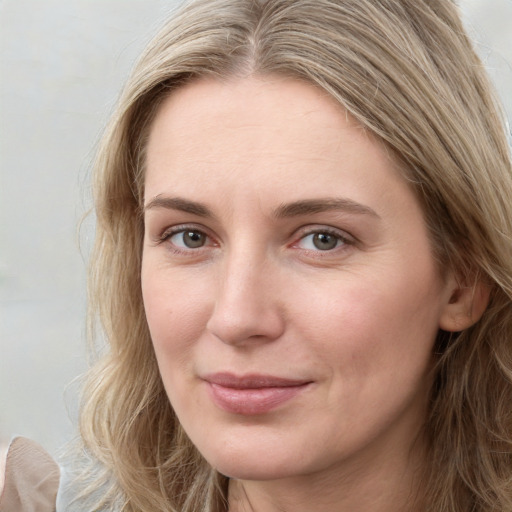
pixel 251 401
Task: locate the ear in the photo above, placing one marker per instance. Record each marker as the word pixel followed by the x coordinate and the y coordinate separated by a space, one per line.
pixel 465 306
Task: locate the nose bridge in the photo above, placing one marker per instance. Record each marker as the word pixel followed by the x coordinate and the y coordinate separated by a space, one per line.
pixel 246 303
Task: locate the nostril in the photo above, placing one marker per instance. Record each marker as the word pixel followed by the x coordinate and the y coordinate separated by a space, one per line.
pixel 246 309
pixel 245 325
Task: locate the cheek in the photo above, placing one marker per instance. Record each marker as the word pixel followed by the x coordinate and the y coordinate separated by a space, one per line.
pixel 176 312
pixel 373 343
pixel 173 312
pixel 369 328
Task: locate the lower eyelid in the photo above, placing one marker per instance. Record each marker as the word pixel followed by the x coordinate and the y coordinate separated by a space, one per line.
pixel 181 248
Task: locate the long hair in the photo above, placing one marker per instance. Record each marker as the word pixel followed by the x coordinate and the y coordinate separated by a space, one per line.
pixel 408 73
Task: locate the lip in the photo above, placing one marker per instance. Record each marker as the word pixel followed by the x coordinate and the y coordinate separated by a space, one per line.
pixel 252 394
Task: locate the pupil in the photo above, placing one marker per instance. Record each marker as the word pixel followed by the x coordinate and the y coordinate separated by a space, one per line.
pixel 193 239
pixel 324 241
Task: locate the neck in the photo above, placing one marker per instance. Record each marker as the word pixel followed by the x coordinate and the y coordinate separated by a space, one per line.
pixel 380 484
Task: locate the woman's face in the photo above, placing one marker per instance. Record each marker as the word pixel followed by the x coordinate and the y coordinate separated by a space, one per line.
pixel 288 281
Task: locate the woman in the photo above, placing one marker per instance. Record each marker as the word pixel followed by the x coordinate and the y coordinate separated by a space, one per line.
pixel 302 268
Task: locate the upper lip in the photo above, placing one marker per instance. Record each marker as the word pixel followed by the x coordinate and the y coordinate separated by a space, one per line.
pixel 252 381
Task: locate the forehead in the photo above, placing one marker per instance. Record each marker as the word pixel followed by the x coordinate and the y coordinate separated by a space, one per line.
pixel 262 127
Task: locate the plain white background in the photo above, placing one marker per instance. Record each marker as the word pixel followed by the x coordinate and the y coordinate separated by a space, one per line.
pixel 62 64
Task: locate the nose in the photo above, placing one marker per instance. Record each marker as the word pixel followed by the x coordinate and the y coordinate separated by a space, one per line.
pixel 247 307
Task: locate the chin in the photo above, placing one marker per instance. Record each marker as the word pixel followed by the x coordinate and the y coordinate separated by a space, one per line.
pixel 246 469
pixel 256 462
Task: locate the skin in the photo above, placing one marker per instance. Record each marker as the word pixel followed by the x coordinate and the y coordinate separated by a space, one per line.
pixel 356 318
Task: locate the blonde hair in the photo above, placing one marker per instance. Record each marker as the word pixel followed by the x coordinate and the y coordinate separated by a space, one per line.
pixel 407 71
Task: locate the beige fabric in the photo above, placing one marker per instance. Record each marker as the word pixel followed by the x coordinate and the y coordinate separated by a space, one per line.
pixel 31 479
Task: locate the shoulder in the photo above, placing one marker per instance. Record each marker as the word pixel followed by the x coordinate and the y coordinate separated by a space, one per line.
pixel 34 482
pixel 31 478
pixel 86 484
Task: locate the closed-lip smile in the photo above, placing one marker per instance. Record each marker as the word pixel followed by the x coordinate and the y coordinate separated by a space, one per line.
pixel 253 393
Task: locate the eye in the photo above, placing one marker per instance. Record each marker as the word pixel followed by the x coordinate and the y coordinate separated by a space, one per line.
pixel 322 241
pixel 187 239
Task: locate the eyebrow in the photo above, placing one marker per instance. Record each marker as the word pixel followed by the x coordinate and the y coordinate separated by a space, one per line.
pixel 294 209
pixel 312 206
pixel 178 203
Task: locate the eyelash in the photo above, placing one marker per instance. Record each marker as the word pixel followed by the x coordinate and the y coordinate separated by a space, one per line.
pixel 343 239
pixel 175 230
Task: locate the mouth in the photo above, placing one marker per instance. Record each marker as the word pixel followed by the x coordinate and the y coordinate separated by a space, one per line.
pixel 252 394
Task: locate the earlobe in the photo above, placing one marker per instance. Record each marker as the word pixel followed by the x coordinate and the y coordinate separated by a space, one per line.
pixel 465 306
